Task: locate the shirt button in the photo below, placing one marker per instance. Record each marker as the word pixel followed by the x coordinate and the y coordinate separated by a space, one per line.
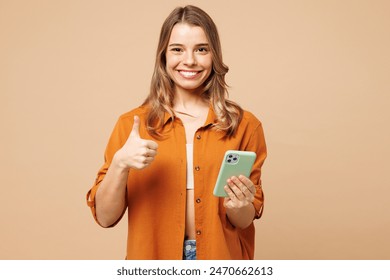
pixel 198 200
pixel 198 232
pixel 197 168
pixel 198 136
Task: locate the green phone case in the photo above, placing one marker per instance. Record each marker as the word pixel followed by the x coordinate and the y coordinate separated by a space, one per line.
pixel 234 163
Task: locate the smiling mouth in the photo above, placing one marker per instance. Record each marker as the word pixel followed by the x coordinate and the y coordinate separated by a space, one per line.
pixel 188 74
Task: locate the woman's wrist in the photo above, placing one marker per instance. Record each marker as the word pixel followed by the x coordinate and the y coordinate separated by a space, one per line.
pixel 118 163
pixel 241 217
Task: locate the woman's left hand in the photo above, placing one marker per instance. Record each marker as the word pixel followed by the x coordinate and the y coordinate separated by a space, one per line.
pixel 241 192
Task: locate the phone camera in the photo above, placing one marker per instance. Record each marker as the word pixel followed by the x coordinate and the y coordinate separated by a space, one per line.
pixel 232 158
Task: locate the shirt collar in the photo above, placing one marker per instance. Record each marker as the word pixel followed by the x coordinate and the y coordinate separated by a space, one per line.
pixel 167 117
pixel 211 118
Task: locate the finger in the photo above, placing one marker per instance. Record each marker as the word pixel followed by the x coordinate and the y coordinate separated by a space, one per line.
pixel 248 191
pixel 150 153
pixel 235 186
pixel 146 152
pixel 143 161
pixel 248 194
pixel 151 145
pixel 244 192
pixel 238 183
pixel 230 193
pixel 148 160
pixel 248 183
pixel 135 129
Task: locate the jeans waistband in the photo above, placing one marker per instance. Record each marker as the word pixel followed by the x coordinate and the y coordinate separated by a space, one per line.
pixel 189 245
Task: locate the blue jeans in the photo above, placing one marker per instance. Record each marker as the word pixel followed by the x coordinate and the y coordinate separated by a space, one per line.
pixel 189 250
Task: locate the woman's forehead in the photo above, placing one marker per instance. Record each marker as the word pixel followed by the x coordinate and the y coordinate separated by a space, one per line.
pixel 186 33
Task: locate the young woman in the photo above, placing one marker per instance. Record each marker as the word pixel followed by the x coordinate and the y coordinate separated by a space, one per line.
pixel 163 158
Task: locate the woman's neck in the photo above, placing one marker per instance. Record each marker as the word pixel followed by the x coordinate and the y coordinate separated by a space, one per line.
pixel 190 103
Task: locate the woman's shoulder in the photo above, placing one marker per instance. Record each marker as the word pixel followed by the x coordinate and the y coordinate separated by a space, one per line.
pixel 250 118
pixel 140 111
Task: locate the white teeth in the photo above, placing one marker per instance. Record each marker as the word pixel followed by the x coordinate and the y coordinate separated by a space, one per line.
pixel 188 74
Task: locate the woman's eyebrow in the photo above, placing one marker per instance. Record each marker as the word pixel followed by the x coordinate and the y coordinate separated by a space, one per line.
pixel 175 45
pixel 202 45
pixel 181 45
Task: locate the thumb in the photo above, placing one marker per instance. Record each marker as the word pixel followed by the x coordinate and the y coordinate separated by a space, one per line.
pixel 135 129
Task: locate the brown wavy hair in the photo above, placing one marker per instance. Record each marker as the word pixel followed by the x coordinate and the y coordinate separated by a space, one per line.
pixel 161 96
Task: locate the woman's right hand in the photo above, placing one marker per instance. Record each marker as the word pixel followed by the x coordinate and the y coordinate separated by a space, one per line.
pixel 136 153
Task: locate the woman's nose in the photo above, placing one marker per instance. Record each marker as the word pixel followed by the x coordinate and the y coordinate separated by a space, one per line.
pixel 189 58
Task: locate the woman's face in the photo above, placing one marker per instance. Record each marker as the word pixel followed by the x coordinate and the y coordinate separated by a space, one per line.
pixel 188 57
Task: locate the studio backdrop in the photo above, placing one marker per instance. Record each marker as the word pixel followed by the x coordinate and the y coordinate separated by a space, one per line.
pixel 316 73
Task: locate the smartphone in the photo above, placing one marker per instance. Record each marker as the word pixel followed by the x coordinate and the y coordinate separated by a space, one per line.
pixel 234 163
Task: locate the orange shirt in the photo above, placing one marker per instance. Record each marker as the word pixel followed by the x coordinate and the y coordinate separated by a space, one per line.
pixel 156 195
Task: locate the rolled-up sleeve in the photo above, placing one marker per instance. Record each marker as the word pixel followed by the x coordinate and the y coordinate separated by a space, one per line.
pixel 116 141
pixel 258 145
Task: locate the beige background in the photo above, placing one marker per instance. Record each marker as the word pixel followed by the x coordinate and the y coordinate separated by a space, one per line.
pixel 315 72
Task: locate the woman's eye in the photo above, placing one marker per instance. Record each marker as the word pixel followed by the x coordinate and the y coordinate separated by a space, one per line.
pixel 176 49
pixel 203 50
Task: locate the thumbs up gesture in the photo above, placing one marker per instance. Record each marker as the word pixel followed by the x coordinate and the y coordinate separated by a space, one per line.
pixel 136 153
